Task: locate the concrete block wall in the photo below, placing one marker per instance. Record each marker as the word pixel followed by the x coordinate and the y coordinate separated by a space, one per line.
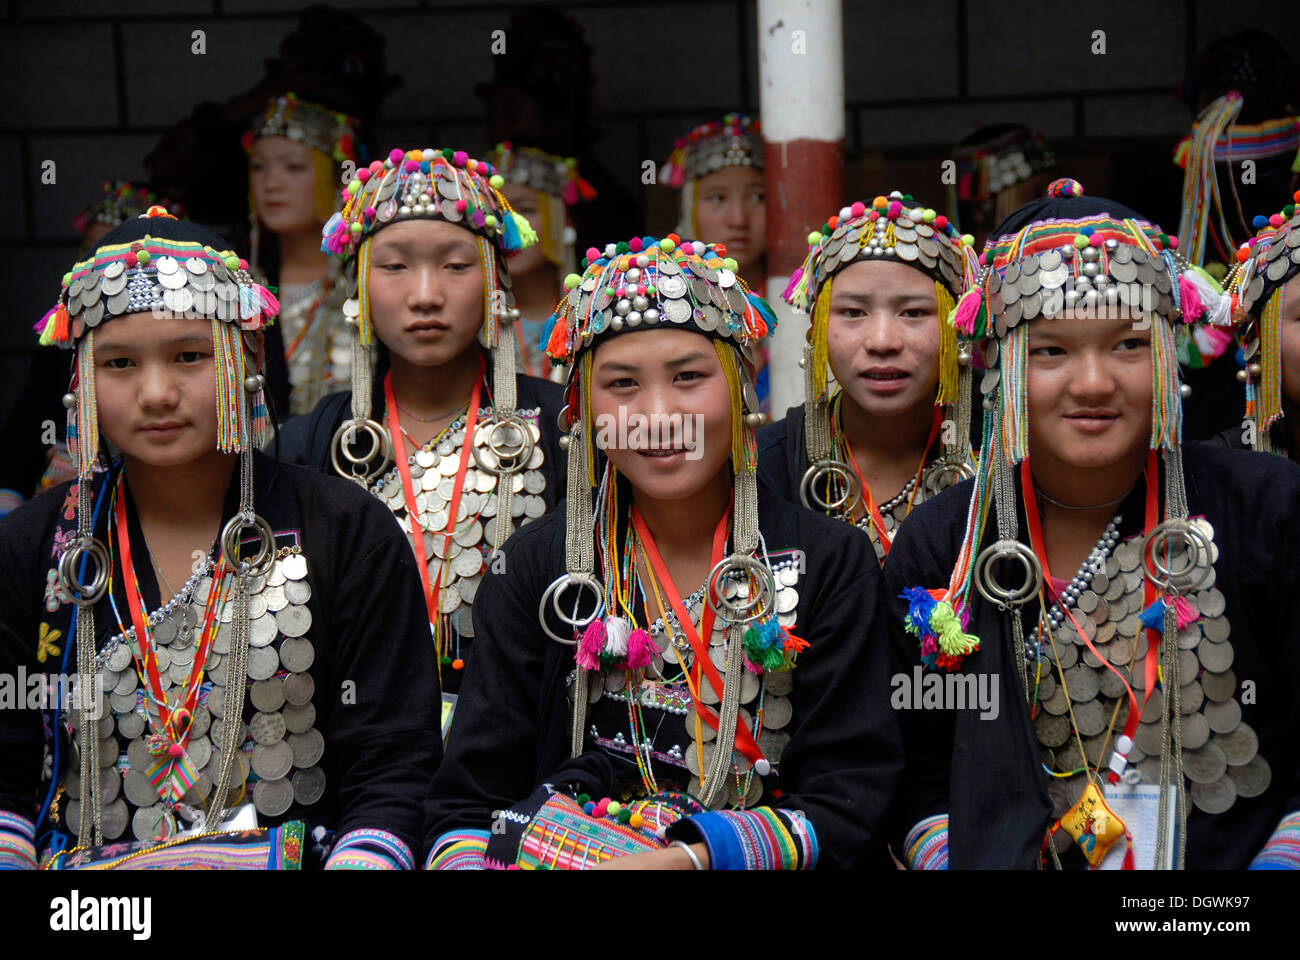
pixel 92 86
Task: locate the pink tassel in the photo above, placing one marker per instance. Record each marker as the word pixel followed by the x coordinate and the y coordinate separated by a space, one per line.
pixel 1190 299
pixel 963 315
pixel 639 648
pixel 751 666
pixel 794 282
pixel 929 645
pixel 592 645
pixel 1184 613
pixel 570 193
pixel 270 305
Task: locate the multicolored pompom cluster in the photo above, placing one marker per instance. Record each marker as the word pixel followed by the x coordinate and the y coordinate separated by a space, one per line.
pixel 890 227
pixel 647 280
pixel 945 644
pixel 444 184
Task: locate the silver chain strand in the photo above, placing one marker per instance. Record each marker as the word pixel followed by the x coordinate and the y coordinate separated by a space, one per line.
pixel 90 829
pixel 1004 498
pixel 503 408
pixel 362 379
pixel 817 430
pixel 960 450
pixel 237 659
pixel 579 556
pixel 1171 720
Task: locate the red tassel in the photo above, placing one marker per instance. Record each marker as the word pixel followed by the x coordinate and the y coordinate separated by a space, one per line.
pixel 1129 863
pixel 792 643
pixel 555 347
pixel 61 324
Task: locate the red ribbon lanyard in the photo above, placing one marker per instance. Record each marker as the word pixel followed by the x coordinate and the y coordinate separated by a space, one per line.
pixel 1153 637
pixel 147 659
pixel 877 521
pixel 744 739
pixel 408 490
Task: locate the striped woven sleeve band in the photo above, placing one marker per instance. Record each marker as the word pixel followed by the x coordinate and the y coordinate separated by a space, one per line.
pixel 1282 851
pixel 758 839
pixel 370 850
pixel 17 842
pixel 459 850
pixel 927 844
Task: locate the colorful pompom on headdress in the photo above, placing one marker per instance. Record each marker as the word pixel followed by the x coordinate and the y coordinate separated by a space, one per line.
pixel 646 284
pixel 1065 255
pixel 559 186
pixel 428 184
pixel 157 263
pixel 894 229
pixel 1257 284
pixel 735 142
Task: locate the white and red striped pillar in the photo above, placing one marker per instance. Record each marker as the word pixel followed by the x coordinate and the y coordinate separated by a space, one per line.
pixel 801 81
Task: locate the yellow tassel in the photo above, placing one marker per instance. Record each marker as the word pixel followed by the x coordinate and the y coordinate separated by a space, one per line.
pixel 947 347
pixel 727 357
pixel 948 632
pixel 1269 402
pixel 821 352
pixel 326 196
pixel 588 428
pixel 363 292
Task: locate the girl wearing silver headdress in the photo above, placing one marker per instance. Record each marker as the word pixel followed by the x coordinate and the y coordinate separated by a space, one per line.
pixel 741 725
pixel 204 612
pixel 1123 590
pixel 465 450
pixel 880 282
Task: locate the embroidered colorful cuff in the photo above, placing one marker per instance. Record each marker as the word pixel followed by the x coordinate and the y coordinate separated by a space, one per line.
pixel 17 842
pixel 758 839
pixel 926 846
pixel 1282 851
pixel 459 850
pixel 370 850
